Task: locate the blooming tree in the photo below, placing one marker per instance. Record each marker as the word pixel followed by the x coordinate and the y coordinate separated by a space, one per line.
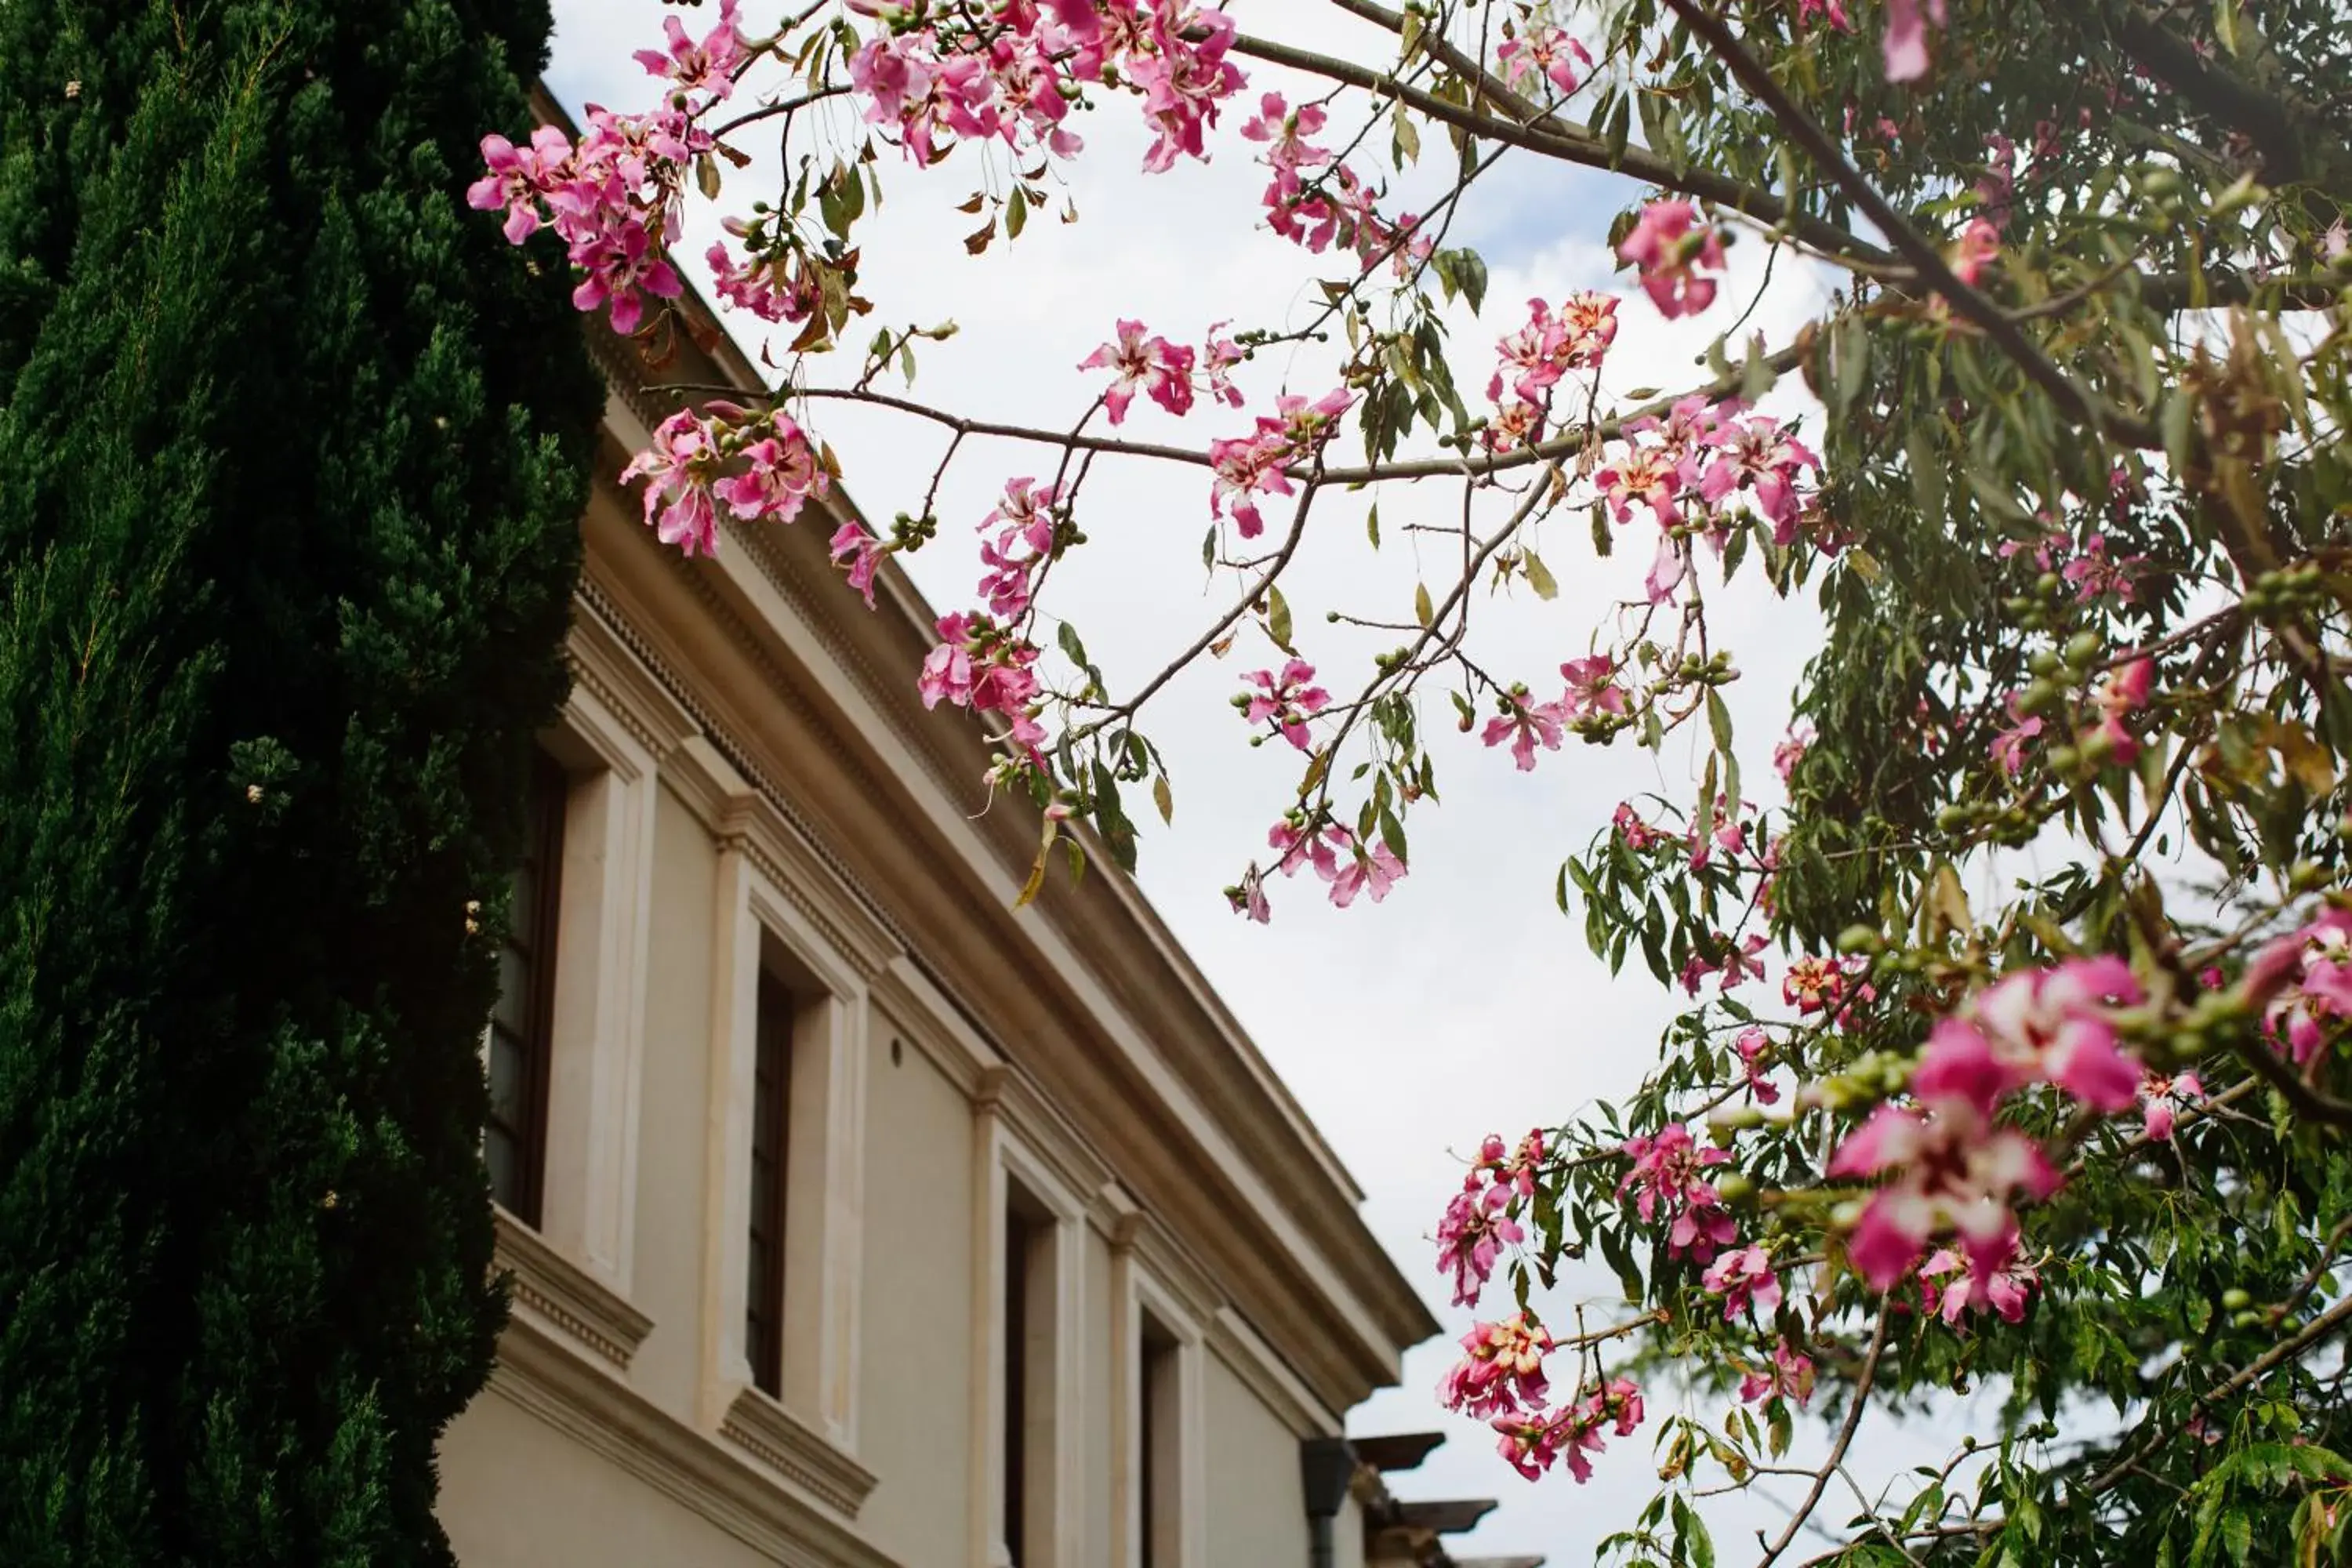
pixel 2068 489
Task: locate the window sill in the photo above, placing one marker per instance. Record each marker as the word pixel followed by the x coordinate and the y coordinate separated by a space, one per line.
pixel 563 1297
pixel 779 1439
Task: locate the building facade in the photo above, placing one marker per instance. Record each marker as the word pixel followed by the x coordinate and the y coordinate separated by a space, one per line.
pixel 855 1219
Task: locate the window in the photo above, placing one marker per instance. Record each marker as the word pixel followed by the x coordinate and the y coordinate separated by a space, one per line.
pixel 772 1090
pixel 1158 1462
pixel 1032 1373
pixel 514 1144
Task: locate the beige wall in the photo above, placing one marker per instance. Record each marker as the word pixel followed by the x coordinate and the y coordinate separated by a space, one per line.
pixel 516 1493
pixel 1256 1514
pixel 675 1100
pixel 915 1428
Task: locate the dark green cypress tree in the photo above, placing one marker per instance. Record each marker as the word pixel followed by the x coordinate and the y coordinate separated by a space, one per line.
pixel 292 451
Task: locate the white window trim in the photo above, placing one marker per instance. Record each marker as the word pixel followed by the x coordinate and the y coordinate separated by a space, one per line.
pixel 1003 1157
pixel 1134 1291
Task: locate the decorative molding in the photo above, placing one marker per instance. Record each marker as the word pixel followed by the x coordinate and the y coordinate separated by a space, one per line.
pixel 537 1373
pixel 568 1296
pixel 605 666
pixel 777 1438
pixel 923 1015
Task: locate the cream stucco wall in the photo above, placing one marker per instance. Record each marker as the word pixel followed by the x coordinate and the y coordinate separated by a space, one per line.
pixel 1256 1515
pixel 675 1100
pixel 516 1493
pixel 916 1382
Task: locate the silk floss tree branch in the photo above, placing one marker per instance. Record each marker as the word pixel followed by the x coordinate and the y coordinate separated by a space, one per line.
pixel 2067 493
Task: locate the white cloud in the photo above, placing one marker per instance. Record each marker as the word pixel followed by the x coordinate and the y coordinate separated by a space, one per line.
pixel 1465 1004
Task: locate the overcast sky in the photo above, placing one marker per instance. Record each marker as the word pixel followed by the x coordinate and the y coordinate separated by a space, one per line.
pixel 1465 1004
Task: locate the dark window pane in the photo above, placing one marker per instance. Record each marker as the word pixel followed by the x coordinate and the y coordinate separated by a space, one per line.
pixel 763 1304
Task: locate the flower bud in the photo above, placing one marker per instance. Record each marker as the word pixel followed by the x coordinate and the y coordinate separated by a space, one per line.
pixel 2234 1299
pixel 2044 662
pixel 1860 938
pixel 2083 648
pixel 1734 1188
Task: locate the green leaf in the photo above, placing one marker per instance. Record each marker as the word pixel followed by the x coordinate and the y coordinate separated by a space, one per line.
pixel 1540 577
pixel 1277 619
pixel 1016 214
pixel 1372 524
pixel 1408 137
pixel 1423 611
pixel 1162 797
pixel 1718 721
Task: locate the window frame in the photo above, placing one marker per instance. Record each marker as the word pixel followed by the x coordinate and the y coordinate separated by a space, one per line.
pixel 548 811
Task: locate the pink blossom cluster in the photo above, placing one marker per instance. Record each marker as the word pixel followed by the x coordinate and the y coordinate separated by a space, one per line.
pixel 1753 1045
pixel 2304 982
pixel 1246 467
pixel 760 467
pixel 1594 703
pixel 980 665
pixel 1533 1441
pixel 1701 456
pixel 2166 1096
pixel 1737 964
pixel 2088 570
pixel 1019 548
pixel 1349 867
pixel 1952 1168
pixel 1668 1181
pixel 1537 356
pixel 614 198
pixel 1501 1371
pixel 1478 1222
pixel 1286 701
pixel 2004 1290
pixel 1789 1375
pixel 1313 209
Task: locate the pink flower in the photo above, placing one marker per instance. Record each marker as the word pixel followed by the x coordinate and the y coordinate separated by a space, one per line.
pixel 1752 1044
pixel 517 178
pixel 2056 1026
pixel 1790 1376
pixel 1220 355
pixel 2166 1098
pixel 1744 1279
pixel 1161 370
pixel 1243 468
pixel 707 67
pixel 1738 964
pixel 1759 453
pixel 1526 725
pixel 1286 701
pixel 1471 1235
pixel 2303 980
pixel 1995 1279
pixel 1644 475
pixel 1638 835
pixel 1592 689
pixel 862 553
pixel 1668 251
pixel 1502 1373
pixel 1979 249
pixel 1535 1441
pixel 1952 1170
pixel 1374 871
pixel 2008 746
pixel 1834 9
pixel 1547 50
pixel 682 464
pixel 1667 1181
pixel 1907 37
pixel 2123 692
pixel 781 474
pixel 1789 752
pixel 616 266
